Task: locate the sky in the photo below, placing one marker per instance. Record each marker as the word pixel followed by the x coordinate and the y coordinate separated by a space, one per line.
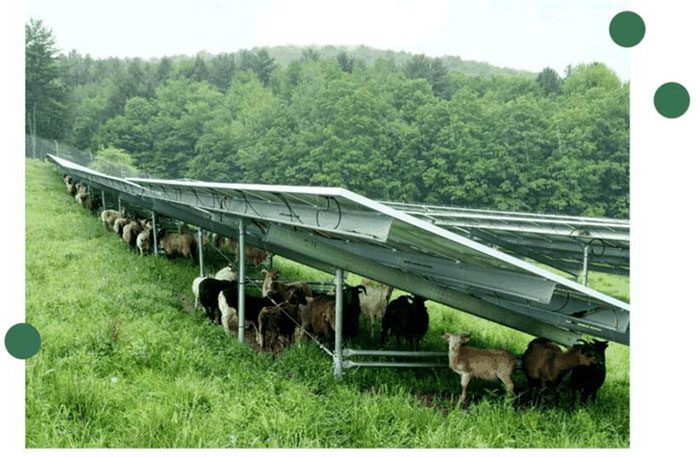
pixel 525 34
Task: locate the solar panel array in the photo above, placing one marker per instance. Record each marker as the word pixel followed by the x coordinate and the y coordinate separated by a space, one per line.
pixel 329 228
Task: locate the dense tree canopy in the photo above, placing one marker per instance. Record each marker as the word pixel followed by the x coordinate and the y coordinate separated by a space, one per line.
pixel 389 126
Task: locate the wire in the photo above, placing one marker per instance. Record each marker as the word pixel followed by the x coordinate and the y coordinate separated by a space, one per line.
pixel 328 208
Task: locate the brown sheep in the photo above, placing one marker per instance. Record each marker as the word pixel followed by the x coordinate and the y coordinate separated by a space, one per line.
pixel 545 364
pixel 143 240
pixel 119 224
pixel 252 255
pixel 318 317
pixel 286 290
pixel 183 244
pixel 277 324
pixel 131 231
pixel 470 362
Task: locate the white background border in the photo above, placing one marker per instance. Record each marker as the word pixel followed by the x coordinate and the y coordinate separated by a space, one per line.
pixel 665 225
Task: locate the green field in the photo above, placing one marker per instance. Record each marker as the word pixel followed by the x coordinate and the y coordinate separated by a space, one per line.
pixel 126 363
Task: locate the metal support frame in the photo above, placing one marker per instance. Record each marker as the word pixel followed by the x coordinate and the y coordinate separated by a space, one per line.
pixel 338 354
pixel 104 201
pixel 155 231
pixel 584 271
pixel 241 281
pixel 119 204
pixel 200 250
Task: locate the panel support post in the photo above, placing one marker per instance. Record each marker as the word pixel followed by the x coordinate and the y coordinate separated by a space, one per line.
pixel 241 281
pixel 200 250
pixel 155 229
pixel 119 204
pixel 584 271
pixel 338 354
pixel 104 201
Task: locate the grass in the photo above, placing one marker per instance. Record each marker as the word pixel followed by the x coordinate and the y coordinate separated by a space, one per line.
pixel 126 363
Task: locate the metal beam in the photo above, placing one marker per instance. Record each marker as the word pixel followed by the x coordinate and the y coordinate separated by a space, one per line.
pixel 338 354
pixel 200 249
pixel 316 247
pixel 241 281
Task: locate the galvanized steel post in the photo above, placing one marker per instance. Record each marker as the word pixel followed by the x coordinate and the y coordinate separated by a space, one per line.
pixel 584 272
pixel 155 230
pixel 119 204
pixel 338 354
pixel 104 202
pixel 200 249
pixel 241 281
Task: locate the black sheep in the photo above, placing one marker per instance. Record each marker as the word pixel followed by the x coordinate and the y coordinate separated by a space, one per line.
pixel 406 317
pixel 209 290
pixel 253 304
pixel 588 379
pixel 351 310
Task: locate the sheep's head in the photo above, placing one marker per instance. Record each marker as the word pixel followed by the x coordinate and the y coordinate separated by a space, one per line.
pixel 273 275
pixel 455 339
pixel 585 354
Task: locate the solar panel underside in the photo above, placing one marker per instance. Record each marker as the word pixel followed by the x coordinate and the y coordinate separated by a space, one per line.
pixel 330 228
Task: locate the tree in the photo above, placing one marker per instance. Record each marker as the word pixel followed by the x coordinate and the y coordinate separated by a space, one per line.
pixel 45 99
pixel 433 70
pixel 114 161
pixel 223 67
pixel 259 63
pixel 550 81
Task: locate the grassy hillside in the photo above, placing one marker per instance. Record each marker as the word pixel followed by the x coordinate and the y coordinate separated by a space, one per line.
pixel 126 363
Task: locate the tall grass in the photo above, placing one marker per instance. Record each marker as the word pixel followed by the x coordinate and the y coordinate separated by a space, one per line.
pixel 126 363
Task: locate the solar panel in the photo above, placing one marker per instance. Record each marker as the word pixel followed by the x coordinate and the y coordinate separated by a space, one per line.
pixel 329 227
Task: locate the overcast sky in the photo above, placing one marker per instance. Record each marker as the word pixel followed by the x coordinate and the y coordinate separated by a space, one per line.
pixel 524 34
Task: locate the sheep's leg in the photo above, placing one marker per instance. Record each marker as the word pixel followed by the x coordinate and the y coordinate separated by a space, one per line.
pixel 464 381
pixel 508 383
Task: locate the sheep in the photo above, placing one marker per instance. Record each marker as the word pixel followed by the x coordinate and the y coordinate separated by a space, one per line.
pixel 179 243
pixel 109 216
pixel 132 230
pixel 545 364
pixel 119 224
pixel 228 273
pixel 277 324
pixel 373 303
pixel 470 362
pixel 70 185
pixel 228 297
pixel 229 316
pixel 406 317
pixel 252 255
pixel 270 284
pixel 588 379
pixel 82 197
pixel 143 239
pixel 318 317
pixel 208 293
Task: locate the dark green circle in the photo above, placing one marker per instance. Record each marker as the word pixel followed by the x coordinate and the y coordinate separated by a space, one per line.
pixel 671 100
pixel 627 29
pixel 22 341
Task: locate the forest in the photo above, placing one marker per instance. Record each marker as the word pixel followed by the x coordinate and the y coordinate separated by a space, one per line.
pixel 388 125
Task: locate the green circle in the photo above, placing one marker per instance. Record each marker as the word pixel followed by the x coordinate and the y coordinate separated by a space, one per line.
pixel 671 100
pixel 627 29
pixel 22 341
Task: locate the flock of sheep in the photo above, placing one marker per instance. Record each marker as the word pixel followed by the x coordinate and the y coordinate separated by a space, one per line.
pixel 289 312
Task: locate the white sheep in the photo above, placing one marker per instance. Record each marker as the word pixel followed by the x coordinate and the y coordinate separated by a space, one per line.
pixel 374 302
pixel 228 273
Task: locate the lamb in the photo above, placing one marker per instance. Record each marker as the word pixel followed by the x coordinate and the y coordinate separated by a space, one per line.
pixel 277 324
pixel 374 302
pixel 179 243
pixel 109 216
pixel 406 317
pixel 208 293
pixel 470 362
pixel 545 364
pixel 588 379
pixel 82 197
